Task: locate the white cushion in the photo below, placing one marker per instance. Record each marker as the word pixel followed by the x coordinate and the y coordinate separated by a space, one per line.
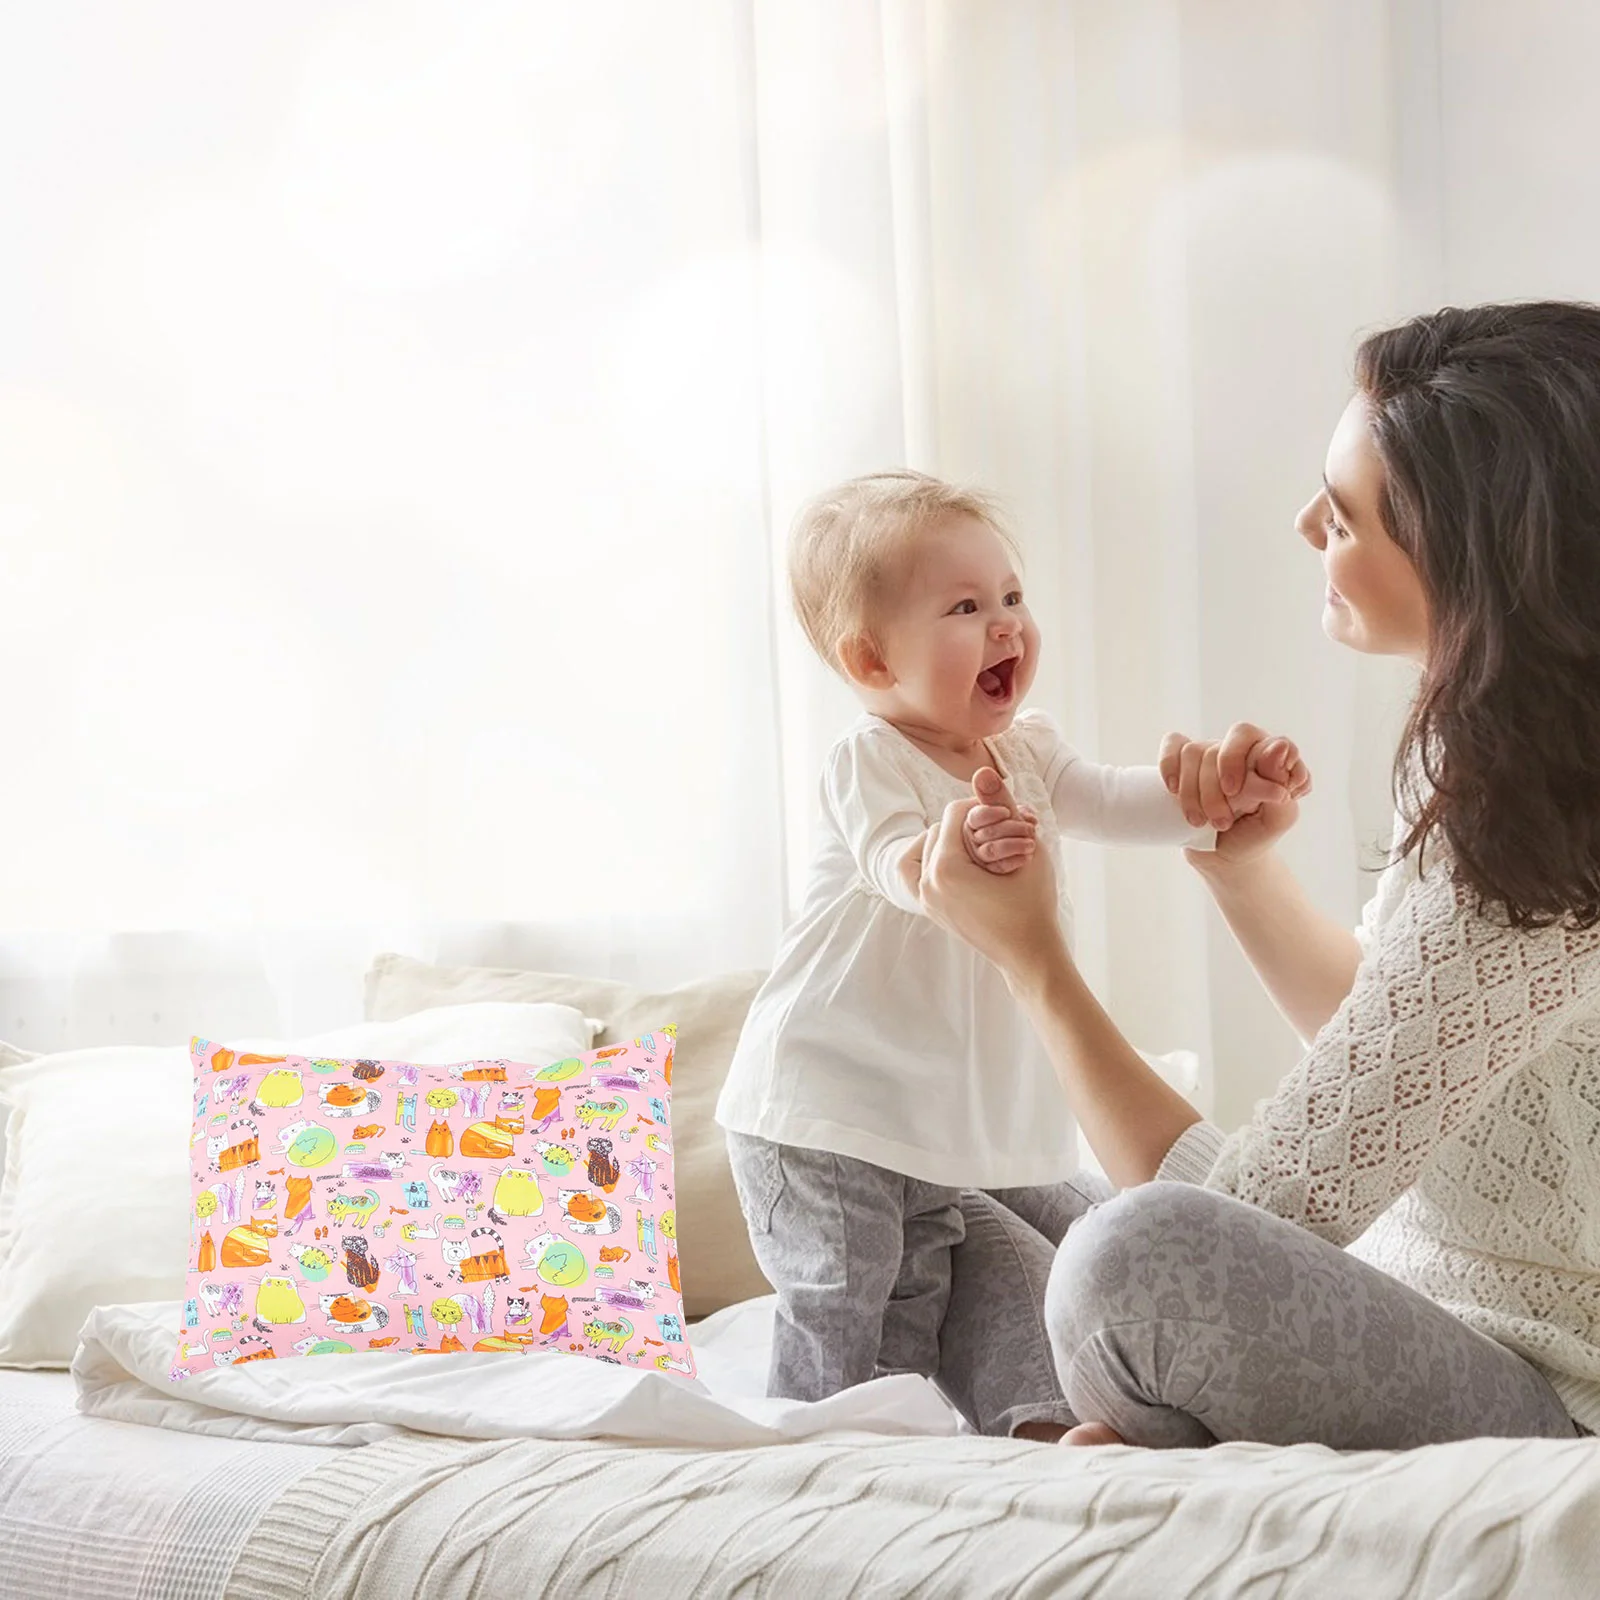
pixel 719 1267
pixel 94 1200
pixel 10 1055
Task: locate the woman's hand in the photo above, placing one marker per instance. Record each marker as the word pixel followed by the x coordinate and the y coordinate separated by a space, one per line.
pixel 1129 1115
pixel 1011 918
pixel 1206 775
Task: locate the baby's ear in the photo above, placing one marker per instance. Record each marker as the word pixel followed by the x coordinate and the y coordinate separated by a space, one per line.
pixel 862 662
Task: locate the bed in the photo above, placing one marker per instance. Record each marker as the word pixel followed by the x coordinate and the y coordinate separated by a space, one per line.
pixel 116 1511
pixel 372 1476
pixel 91 1506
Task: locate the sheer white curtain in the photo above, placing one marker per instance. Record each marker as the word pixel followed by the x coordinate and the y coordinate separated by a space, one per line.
pixel 1133 246
pixel 382 510
pixel 403 408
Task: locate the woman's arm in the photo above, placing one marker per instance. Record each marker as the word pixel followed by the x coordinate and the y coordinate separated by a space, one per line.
pixel 1129 1115
pixel 1453 1002
pixel 1306 961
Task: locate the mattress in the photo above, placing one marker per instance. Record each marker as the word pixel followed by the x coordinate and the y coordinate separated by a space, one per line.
pixel 96 1510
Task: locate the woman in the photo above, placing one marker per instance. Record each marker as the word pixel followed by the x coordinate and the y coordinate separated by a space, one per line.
pixel 1403 1245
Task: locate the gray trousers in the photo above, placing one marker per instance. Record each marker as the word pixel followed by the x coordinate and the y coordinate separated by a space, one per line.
pixel 1181 1317
pixel 860 1258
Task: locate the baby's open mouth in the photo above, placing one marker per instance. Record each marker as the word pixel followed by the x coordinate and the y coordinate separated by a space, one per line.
pixel 996 681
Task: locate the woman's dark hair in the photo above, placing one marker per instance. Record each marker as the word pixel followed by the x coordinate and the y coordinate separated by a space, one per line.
pixel 1488 424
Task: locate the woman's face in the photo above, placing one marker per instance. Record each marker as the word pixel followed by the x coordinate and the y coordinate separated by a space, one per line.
pixel 1374 602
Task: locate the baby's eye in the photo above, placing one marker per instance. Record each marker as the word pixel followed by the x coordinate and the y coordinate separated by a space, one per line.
pixel 1014 598
pixel 963 608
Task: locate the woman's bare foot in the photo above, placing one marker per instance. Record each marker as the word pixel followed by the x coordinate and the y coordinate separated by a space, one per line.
pixel 1092 1433
pixel 1040 1432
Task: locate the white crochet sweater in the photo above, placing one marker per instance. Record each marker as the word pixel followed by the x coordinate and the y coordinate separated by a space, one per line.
pixel 1445 1124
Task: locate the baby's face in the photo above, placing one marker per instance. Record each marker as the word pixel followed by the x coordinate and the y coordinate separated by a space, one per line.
pixel 959 641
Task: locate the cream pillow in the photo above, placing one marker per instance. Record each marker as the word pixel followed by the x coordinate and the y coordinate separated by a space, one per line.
pixel 718 1266
pixel 10 1056
pixel 94 1200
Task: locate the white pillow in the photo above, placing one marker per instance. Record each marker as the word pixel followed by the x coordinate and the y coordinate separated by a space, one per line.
pixel 94 1200
pixel 9 1057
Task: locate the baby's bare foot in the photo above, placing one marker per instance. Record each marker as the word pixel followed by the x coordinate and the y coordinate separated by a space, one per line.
pixel 1092 1433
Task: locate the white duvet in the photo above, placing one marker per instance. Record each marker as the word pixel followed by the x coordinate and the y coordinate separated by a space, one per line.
pixel 126 1352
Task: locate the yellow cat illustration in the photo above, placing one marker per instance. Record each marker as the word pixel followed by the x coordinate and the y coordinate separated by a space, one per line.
pixel 278 1301
pixel 516 1194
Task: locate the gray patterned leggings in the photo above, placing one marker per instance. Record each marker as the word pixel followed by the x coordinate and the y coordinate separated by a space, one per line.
pixel 1181 1317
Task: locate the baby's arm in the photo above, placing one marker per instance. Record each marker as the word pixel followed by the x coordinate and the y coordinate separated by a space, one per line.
pixel 1133 805
pixel 877 813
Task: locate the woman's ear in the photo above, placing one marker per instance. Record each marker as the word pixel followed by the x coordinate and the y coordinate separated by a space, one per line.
pixel 862 662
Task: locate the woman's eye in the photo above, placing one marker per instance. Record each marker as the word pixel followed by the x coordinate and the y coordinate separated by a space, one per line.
pixel 963 608
pixel 1335 530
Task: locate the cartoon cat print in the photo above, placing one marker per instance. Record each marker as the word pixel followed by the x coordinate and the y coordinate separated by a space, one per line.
pixel 472 1263
pixel 291 1250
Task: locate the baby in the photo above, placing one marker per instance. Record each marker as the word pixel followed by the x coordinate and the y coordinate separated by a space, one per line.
pixel 884 1065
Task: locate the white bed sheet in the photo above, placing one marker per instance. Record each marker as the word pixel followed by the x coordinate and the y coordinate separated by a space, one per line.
pixel 126 1353
pixel 106 1510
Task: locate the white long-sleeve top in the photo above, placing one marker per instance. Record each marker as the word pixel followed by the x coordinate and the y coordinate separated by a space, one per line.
pixel 1445 1123
pixel 879 1035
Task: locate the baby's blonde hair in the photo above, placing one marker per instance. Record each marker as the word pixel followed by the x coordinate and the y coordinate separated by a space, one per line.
pixel 848 545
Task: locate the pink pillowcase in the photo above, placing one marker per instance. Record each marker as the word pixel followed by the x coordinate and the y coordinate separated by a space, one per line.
pixel 380 1205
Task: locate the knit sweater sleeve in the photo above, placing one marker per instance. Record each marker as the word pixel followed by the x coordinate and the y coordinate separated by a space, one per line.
pixel 1450 1003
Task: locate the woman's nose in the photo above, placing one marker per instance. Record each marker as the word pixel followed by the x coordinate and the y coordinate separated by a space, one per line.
pixel 1309 524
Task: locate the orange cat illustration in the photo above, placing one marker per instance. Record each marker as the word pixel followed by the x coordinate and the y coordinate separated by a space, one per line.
pixel 346 1309
pixel 583 1207
pixel 297 1204
pixel 554 1324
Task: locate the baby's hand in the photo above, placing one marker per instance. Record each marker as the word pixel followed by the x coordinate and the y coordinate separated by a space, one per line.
pixel 1273 773
pixel 998 836
pixel 1221 781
